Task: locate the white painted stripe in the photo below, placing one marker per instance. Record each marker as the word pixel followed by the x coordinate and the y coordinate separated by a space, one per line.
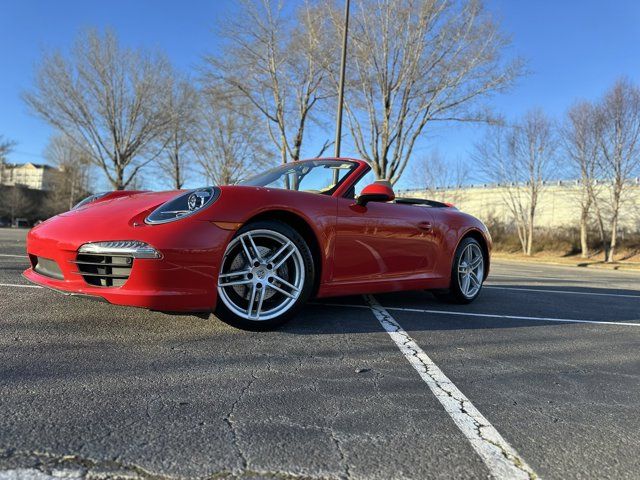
pixel 13 256
pixel 521 277
pixel 516 289
pixel 19 285
pixel 486 315
pixel 34 474
pixel 501 459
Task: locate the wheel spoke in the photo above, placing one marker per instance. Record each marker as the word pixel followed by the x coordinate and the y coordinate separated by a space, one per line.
pixel 275 255
pixel 477 262
pixel 255 248
pixel 247 253
pixel 283 259
pixel 237 273
pixel 251 300
pixel 286 284
pixel 263 291
pixel 465 284
pixel 278 289
pixel 244 281
pixel 468 255
pixel 474 279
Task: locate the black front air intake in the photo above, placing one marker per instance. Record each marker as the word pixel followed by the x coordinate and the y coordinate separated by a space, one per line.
pixel 104 270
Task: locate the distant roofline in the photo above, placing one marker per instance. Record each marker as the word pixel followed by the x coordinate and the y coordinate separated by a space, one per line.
pixel 36 165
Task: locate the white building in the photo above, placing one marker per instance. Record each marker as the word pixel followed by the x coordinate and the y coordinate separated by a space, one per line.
pixel 31 175
pixel 558 206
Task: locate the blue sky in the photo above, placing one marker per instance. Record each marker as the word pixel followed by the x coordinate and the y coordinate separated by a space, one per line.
pixel 574 49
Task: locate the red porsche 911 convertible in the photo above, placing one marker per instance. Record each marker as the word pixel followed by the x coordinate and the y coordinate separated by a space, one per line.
pixel 254 253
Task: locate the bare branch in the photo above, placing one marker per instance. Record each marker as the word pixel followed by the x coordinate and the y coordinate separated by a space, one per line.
pixel 109 100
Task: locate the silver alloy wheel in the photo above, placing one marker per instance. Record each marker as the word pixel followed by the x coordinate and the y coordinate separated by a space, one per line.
pixel 262 275
pixel 471 270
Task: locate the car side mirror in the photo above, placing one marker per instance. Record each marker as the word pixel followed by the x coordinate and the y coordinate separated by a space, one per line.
pixel 376 192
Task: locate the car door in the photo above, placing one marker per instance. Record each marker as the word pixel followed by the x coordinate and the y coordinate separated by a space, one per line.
pixel 382 240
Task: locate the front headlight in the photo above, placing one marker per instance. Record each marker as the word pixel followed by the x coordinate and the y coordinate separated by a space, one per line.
pixel 183 205
pixel 134 248
pixel 90 199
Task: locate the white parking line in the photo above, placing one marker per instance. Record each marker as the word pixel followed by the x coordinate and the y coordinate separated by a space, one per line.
pixel 501 459
pixel 18 285
pixel 35 474
pixel 561 291
pixel 519 277
pixel 14 256
pixel 486 315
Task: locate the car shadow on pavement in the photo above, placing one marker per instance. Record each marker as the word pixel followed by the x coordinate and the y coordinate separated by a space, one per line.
pixel 351 315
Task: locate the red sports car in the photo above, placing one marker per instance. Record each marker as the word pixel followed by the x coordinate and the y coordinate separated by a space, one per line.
pixel 256 252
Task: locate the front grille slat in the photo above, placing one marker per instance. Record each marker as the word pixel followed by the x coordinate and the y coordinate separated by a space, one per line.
pixel 104 270
pixel 77 262
pixel 103 275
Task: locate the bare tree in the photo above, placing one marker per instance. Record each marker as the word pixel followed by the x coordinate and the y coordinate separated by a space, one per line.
pixel 276 63
pixel 442 181
pixel 619 139
pixel 6 147
pixel 110 100
pixel 16 202
pixel 415 62
pixel 580 142
pixel 227 146
pixel 176 159
pixel 74 179
pixel 521 159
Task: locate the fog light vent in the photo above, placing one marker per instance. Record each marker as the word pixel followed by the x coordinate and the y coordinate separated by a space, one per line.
pixel 48 268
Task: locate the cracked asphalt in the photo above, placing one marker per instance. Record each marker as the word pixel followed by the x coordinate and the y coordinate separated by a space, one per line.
pixel 91 390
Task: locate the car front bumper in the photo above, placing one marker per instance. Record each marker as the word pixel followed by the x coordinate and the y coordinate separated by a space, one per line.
pixel 184 279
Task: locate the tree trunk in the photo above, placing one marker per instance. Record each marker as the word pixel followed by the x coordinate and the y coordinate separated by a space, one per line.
pixel 601 231
pixel 530 234
pixel 283 149
pixel 584 233
pixel 614 238
pixel 177 174
pixel 119 181
pixel 522 236
pixel 72 192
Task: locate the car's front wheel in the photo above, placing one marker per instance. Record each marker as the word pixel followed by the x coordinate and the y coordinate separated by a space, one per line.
pixel 467 273
pixel 266 275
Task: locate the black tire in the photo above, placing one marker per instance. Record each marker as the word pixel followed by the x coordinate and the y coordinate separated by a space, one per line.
pixel 456 292
pixel 225 311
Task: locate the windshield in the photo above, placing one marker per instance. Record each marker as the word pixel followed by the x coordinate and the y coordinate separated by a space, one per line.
pixel 322 176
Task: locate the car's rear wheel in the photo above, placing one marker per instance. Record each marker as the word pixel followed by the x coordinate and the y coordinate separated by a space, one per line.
pixel 467 273
pixel 266 275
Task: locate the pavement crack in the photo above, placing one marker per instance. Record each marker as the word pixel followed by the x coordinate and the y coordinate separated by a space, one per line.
pixel 470 421
pixel 230 420
pixel 76 466
pixel 343 459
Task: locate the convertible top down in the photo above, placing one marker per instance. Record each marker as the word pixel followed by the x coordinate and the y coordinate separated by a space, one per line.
pixel 256 252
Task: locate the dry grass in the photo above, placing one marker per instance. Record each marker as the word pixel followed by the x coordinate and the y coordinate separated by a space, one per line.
pixel 562 246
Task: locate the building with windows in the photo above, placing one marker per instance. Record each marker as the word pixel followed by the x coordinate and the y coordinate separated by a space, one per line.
pixel 31 175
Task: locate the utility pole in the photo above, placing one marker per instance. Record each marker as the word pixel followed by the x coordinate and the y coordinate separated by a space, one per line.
pixel 341 86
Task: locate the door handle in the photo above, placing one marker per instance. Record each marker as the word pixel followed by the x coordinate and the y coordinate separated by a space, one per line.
pixel 426 226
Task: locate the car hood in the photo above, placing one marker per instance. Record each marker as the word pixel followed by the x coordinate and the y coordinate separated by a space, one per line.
pixel 113 213
pixel 104 219
pixel 122 207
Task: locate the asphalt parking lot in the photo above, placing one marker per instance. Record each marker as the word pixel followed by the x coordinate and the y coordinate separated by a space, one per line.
pixel 539 377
